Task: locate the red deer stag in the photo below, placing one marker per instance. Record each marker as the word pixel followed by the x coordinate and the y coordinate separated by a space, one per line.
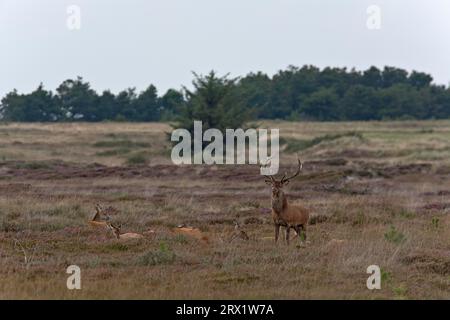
pixel 283 213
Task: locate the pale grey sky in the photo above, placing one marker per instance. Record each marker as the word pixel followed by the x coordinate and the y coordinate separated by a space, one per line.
pixel 137 42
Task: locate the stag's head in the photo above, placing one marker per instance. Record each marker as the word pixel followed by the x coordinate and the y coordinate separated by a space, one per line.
pixel 278 184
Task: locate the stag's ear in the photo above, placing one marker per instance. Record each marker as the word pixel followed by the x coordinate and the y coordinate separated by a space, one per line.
pixel 285 183
pixel 268 181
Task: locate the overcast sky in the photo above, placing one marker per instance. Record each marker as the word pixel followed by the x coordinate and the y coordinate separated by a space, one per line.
pixel 137 42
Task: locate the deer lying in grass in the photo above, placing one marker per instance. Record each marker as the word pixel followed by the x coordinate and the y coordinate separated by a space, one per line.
pixel 102 216
pixel 238 232
pixel 97 219
pixel 283 213
pixel 123 236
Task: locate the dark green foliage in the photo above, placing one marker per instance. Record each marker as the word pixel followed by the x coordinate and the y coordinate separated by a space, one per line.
pixel 394 236
pixel 255 90
pixel 435 223
pixel 306 93
pixel 77 100
pixel 38 106
pixel 322 105
pixel 147 105
pixel 359 103
pixel 215 102
pixel 172 103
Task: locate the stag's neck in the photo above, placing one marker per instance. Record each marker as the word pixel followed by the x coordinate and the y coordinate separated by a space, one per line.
pixel 279 204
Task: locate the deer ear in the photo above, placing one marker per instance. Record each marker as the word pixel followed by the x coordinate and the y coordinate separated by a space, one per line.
pixel 267 181
pixel 285 183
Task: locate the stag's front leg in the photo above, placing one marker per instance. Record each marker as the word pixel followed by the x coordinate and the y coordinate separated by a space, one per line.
pixel 277 231
pixel 288 230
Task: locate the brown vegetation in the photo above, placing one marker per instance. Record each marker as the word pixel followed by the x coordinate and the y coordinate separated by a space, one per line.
pixel 386 205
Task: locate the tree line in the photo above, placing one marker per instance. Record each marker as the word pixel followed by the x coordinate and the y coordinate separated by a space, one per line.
pixel 306 93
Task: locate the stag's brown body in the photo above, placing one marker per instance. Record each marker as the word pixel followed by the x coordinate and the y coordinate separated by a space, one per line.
pixel 288 216
pixel 284 214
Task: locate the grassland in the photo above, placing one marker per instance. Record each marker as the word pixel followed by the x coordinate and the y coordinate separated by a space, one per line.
pixel 379 193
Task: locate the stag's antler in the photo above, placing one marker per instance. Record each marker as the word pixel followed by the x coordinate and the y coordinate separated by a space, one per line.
pixel 271 178
pixel 300 167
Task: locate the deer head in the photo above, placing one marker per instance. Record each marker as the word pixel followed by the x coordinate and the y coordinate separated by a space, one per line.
pixel 115 229
pixel 277 187
pixel 101 213
pixel 278 184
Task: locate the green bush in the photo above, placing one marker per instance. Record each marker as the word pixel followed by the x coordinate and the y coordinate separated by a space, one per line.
pixel 162 255
pixel 435 223
pixel 394 236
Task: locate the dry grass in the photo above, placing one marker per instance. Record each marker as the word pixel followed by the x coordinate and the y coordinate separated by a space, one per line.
pixel 382 200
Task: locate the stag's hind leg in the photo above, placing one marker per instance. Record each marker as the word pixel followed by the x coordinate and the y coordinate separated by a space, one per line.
pixel 288 230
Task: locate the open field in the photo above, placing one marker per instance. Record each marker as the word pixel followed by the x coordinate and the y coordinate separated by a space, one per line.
pixel 379 194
